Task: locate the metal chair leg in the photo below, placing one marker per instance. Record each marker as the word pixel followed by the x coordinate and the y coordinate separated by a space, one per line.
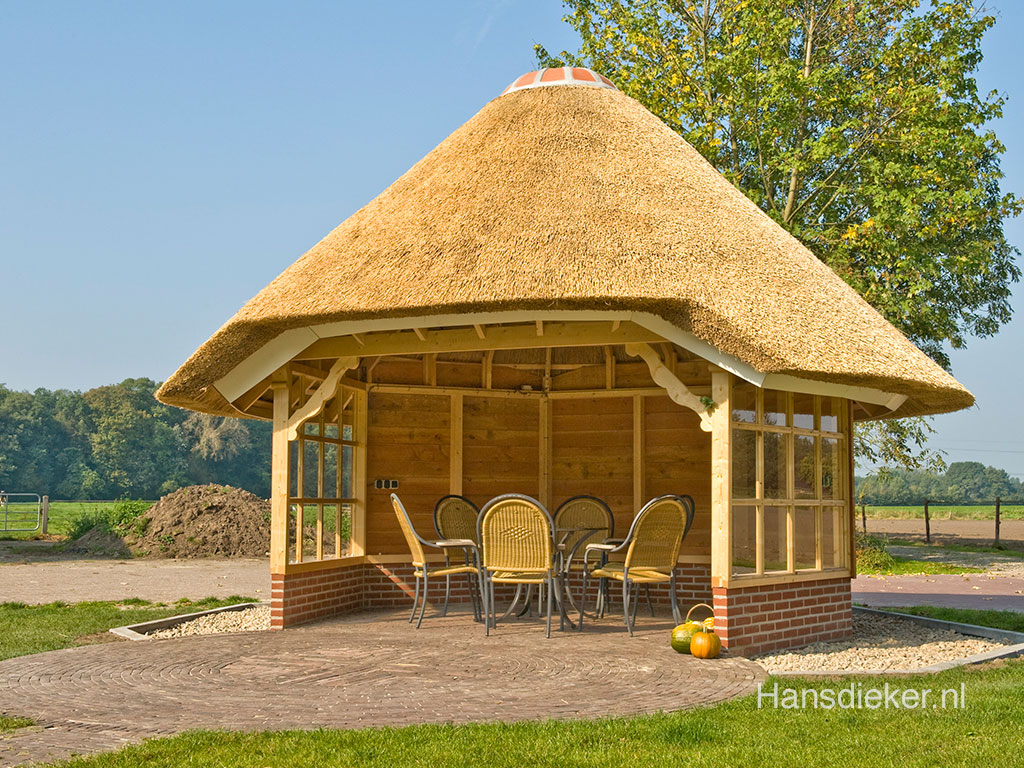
pixel 650 605
pixel 675 602
pixel 636 604
pixel 423 605
pixel 625 605
pixel 583 599
pixel 473 597
pixel 551 595
pixel 415 601
pixel 447 593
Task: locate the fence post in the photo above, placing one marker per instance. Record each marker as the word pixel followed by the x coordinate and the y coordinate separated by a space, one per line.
pixel 997 520
pixel 864 517
pixel 46 515
pixel 927 524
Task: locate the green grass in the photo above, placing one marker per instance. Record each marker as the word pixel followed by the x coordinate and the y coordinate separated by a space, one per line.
pixel 902 566
pixel 944 547
pixel 28 629
pixel 62 518
pixel 734 733
pixel 1011 621
pixel 8 723
pixel 944 511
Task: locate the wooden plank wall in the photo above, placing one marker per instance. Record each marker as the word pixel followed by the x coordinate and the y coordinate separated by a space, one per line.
pixel 592 453
pixel 408 441
pixel 677 457
pixel 500 447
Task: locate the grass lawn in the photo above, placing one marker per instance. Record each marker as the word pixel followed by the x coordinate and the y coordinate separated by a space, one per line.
pixel 28 629
pixel 945 512
pixel 944 547
pixel 13 723
pixel 62 516
pixel 901 566
pixel 735 733
pixel 1008 620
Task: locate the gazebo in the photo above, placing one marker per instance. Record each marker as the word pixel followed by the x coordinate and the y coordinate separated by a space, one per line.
pixel 565 298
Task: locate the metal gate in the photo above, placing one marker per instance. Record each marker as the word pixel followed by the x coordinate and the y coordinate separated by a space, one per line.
pixel 20 511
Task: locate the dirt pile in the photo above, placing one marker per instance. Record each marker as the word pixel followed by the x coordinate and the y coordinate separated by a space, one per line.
pixel 98 542
pixel 204 521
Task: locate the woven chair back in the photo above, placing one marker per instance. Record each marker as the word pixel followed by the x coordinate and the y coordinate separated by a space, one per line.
pixel 418 558
pixel 516 535
pixel 584 512
pixel 657 534
pixel 455 517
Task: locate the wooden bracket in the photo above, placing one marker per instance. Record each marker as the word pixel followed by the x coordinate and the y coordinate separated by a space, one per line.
pixel 323 393
pixel 668 381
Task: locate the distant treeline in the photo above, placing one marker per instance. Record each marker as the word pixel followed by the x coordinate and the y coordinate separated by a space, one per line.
pixel 964 482
pixel 117 441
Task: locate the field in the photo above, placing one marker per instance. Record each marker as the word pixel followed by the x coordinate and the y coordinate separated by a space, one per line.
pixel 63 514
pixel 945 512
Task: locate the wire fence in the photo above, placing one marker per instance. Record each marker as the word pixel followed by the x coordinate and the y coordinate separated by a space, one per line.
pixel 998 504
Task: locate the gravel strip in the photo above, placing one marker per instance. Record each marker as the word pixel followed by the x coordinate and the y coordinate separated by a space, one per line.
pixel 880 643
pixel 250 620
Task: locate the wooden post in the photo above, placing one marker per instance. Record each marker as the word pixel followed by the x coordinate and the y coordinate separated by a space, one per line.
pixel 638 453
pixel 927 524
pixel 544 451
pixel 998 502
pixel 360 428
pixel 455 446
pixel 721 480
pixel 45 520
pixel 864 517
pixel 279 479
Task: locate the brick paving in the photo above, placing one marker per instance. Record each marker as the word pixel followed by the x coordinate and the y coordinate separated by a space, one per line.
pixel 358 671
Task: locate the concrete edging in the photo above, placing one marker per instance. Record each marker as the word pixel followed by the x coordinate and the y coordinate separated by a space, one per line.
pixel 141 631
pixel 1015 648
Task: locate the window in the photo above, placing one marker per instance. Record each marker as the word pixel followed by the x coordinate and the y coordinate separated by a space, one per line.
pixel 789 482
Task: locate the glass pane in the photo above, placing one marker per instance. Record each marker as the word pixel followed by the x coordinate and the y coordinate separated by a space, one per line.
pixel 311 428
pixel 775 407
pixel 744 537
pixel 310 469
pixel 744 402
pixel 744 463
pixel 832 537
pixel 803 481
pixel 830 410
pixel 804 528
pixel 331 430
pixel 346 472
pixel 831 469
pixel 775 539
pixel 776 465
pixel 803 411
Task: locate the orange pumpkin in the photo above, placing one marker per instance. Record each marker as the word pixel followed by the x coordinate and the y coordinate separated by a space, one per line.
pixel 705 645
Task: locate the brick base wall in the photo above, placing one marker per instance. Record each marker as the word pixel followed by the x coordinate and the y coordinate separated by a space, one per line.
pixel 303 597
pixel 758 619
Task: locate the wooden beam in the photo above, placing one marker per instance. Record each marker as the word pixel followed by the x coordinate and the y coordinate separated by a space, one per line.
pixel 487 371
pixel 309 371
pixel 420 334
pixel 357 544
pixel 279 478
pixel 545 452
pixel 455 446
pixel 249 398
pixel 581 334
pixel 480 331
pixel 430 370
pixel 638 454
pixel 721 481
pixel 358 338
pixel 609 368
pixel 664 378
pixel 323 393
pixel 540 327
pixel 615 325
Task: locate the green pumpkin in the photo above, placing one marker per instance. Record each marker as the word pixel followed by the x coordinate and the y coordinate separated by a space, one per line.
pixel 683 634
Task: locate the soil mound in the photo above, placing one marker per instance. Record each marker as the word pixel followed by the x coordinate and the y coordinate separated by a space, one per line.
pixel 98 542
pixel 204 520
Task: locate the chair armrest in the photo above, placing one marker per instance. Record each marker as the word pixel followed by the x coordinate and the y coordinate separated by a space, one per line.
pixel 600 547
pixel 455 543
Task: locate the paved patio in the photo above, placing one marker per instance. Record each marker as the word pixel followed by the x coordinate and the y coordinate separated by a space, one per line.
pixel 365 670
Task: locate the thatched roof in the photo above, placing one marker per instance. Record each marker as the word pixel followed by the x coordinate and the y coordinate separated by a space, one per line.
pixel 577 197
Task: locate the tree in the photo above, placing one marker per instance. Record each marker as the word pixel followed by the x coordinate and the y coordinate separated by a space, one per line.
pixel 858 126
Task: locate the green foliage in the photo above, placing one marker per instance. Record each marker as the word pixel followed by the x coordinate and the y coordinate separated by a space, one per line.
pixel 872 556
pixel 117 441
pixel 1012 621
pixel 38 628
pixel 81 525
pixel 8 723
pixel 964 482
pixel 858 126
pixel 735 733
pixel 125 514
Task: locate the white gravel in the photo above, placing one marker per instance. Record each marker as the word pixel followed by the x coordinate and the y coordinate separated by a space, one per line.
pixel 880 643
pixel 249 620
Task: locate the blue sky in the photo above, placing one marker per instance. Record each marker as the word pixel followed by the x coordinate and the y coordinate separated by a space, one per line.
pixel 160 163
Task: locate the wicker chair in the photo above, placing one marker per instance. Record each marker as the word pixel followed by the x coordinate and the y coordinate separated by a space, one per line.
pixel 581 512
pixel 651 553
pixel 419 559
pixel 455 518
pixel 517 547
